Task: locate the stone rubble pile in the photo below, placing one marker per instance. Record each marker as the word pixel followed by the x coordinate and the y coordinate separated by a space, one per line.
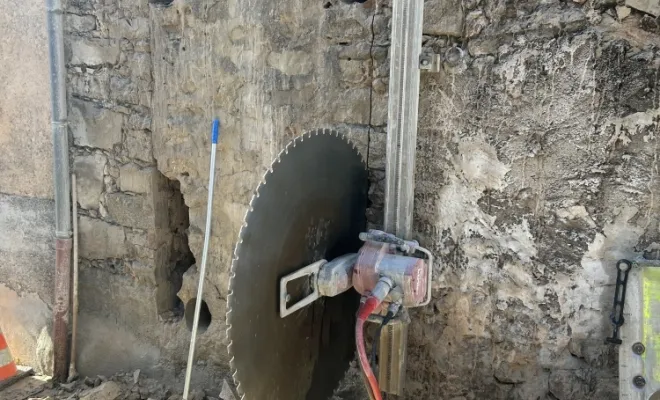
pixel 124 386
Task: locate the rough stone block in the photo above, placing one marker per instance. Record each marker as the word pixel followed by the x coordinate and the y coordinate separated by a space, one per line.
pixel 377 150
pixel 139 66
pixel 481 47
pixel 94 52
pixel 100 240
pixel 123 90
pixel 94 126
pixel 291 62
pixel 379 109
pixel 132 178
pixel 80 23
pixel 106 391
pixel 293 97
pixel 142 246
pixel 136 28
pixel 353 71
pixel 475 22
pixel 358 51
pixel 92 83
pixel 622 12
pixel 130 91
pixel 226 393
pixel 139 121
pixel 341 29
pixel 648 6
pixel 142 45
pixel 128 210
pixel 375 139
pixel 567 385
pixel 443 18
pixel 143 272
pixel 138 145
pixel 354 107
pixel 89 179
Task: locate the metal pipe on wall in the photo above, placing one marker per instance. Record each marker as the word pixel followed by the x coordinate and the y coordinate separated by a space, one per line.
pixel 62 188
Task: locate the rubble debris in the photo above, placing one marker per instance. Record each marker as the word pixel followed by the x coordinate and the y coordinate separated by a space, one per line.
pixel 107 391
pixel 648 6
pixel 622 12
pixel 123 386
pixel 226 393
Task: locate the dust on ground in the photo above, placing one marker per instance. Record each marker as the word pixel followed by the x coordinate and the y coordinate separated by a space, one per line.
pixel 123 386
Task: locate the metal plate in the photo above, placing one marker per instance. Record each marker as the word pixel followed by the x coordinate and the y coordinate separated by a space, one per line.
pixel 310 206
pixel 642 325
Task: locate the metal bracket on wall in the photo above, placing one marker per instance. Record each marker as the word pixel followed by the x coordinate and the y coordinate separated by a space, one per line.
pixel 430 62
pixel 639 353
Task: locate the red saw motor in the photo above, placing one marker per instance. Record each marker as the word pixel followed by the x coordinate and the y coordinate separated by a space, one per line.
pixel 391 277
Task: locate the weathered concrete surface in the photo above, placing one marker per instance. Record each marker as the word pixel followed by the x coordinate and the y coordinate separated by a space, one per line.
pixel 531 187
pixel 26 161
pixel 26 284
pixel 98 354
pixel 26 214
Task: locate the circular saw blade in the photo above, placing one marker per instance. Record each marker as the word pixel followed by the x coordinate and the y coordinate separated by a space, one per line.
pixel 309 206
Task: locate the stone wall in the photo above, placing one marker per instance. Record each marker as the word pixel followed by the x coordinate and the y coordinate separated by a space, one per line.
pixel 133 220
pixel 536 171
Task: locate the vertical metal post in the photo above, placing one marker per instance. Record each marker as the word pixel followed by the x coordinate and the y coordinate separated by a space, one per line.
pixel 59 119
pixel 62 189
pixel 73 369
pixel 405 50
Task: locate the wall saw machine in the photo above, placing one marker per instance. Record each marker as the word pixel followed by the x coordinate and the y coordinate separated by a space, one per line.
pixel 307 275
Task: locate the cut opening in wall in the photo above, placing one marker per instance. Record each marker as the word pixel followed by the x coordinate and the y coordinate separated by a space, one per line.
pixel 205 316
pixel 170 276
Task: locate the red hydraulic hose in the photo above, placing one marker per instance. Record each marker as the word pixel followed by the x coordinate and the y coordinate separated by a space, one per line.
pixel 366 309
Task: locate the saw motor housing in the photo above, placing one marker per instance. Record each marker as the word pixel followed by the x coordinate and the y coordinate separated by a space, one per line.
pixel 382 258
pixel 409 274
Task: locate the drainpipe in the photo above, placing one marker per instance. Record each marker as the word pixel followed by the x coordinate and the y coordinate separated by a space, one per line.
pixel 62 182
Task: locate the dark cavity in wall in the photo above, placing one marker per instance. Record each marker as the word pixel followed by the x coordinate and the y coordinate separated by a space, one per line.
pixel 161 2
pixel 205 316
pixel 170 278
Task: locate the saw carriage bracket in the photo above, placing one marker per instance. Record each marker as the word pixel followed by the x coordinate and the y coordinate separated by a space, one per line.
pixel 383 256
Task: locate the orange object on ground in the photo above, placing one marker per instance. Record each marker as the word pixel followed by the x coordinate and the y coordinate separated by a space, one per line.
pixel 8 367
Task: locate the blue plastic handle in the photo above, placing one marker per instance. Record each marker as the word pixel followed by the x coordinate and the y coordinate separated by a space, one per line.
pixel 216 131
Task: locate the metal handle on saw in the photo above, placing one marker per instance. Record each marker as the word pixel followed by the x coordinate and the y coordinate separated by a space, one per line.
pixel 312 270
pixel 429 278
